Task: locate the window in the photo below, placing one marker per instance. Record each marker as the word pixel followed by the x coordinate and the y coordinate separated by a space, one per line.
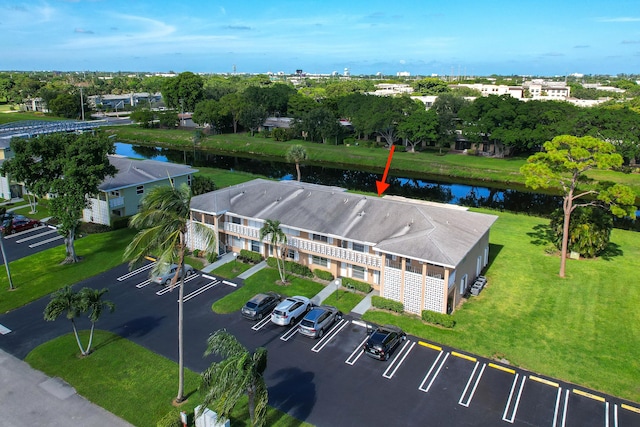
pixel 115 193
pixel 290 253
pixel 236 220
pixel 255 246
pixel 319 238
pixel 358 272
pixel 140 189
pixel 189 180
pixel 463 284
pixel 318 260
pixel 255 224
pixel 358 247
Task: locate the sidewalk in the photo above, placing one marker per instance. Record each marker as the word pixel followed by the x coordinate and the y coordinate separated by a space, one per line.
pixel 30 398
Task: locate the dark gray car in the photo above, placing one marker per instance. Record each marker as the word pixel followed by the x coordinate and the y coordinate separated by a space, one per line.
pixel 318 320
pixel 260 305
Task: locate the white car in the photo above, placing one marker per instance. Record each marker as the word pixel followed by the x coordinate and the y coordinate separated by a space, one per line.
pixel 166 274
pixel 289 310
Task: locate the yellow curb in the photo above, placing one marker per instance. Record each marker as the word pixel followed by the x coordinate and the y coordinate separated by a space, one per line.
pixel 543 381
pixel 463 356
pixel 150 258
pixel 502 368
pixel 630 408
pixel 426 344
pixel 589 395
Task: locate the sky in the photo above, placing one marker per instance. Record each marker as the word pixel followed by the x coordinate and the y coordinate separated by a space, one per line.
pixel 452 38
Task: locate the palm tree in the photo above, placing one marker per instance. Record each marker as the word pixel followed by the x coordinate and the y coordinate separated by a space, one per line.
pixel 66 301
pixel 272 230
pixel 163 222
pixel 91 301
pixel 238 373
pixel 297 154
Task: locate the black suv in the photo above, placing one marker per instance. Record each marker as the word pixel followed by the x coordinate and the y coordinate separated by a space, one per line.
pixel 260 305
pixel 383 340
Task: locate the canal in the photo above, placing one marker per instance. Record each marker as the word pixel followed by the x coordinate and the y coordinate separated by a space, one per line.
pixel 418 187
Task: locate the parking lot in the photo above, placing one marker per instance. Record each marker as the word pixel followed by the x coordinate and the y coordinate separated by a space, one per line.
pixel 27 242
pixel 330 381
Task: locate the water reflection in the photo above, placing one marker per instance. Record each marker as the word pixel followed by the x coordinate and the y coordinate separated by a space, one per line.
pixel 415 187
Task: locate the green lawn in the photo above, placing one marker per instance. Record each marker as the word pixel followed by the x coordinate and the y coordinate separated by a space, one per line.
pixel 581 329
pixel 344 301
pixel 40 274
pixel 491 171
pixel 231 269
pixel 265 280
pixel 130 381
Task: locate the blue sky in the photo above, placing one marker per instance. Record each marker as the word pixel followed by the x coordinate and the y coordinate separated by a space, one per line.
pixel 422 37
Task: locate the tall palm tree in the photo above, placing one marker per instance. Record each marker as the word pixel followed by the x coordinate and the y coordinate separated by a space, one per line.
pixel 238 373
pixel 163 222
pixel 66 301
pixel 297 154
pixel 272 230
pixel 91 301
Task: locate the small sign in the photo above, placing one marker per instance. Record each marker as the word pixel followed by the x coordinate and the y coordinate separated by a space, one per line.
pixel 574 255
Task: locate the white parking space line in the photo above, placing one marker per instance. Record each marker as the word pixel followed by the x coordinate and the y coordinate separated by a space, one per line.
pixel 201 290
pixel 555 412
pixel 143 284
pixel 226 282
pixel 388 374
pixel 564 411
pixel 332 333
pixel 35 236
pixel 290 333
pixel 515 406
pixel 466 402
pixel 261 324
pixel 4 330
pixel 135 272
pixel 353 357
pixel 426 390
pixel 169 288
pixel 615 415
pixel 44 242
pixel 606 405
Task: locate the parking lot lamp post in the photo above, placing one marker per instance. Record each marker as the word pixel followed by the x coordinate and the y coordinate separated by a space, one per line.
pixel 235 261
pixel 6 262
pixel 338 281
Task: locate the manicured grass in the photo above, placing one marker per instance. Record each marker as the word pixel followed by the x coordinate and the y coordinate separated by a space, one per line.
pixel 265 280
pixel 580 329
pixel 40 274
pixel 500 172
pixel 231 269
pixel 129 380
pixel 225 178
pixel 42 211
pixel 343 300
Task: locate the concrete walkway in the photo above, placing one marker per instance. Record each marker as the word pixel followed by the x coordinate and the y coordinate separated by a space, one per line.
pixel 30 398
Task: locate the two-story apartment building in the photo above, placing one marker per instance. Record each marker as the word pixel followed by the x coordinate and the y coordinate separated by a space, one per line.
pixel 422 254
pixel 121 194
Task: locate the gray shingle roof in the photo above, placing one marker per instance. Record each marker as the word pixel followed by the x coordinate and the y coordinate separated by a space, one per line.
pixel 437 234
pixel 139 172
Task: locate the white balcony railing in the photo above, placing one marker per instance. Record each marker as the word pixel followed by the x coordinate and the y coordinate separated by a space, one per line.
pixel 116 202
pixel 311 247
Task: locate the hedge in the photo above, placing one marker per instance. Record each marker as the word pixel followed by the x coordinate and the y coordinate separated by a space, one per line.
pixel 348 282
pixel 435 318
pixel 323 274
pixel 249 256
pixel 387 304
pixel 292 267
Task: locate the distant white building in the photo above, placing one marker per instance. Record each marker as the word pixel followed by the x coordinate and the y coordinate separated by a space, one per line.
pixel 486 90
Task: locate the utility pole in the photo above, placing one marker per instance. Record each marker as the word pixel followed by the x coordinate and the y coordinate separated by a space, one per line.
pixel 82 103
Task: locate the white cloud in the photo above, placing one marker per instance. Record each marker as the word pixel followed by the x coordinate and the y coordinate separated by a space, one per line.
pixel 619 19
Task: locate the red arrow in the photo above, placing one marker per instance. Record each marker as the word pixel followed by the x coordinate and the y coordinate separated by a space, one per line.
pixel 382 185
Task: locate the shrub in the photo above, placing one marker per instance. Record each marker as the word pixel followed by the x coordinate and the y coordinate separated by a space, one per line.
pixel 387 304
pixel 441 319
pixel 323 274
pixel 281 134
pixel 400 148
pixel 196 253
pixel 249 256
pixel 119 222
pixel 211 257
pixel 350 283
pixel 171 419
pixel 292 267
